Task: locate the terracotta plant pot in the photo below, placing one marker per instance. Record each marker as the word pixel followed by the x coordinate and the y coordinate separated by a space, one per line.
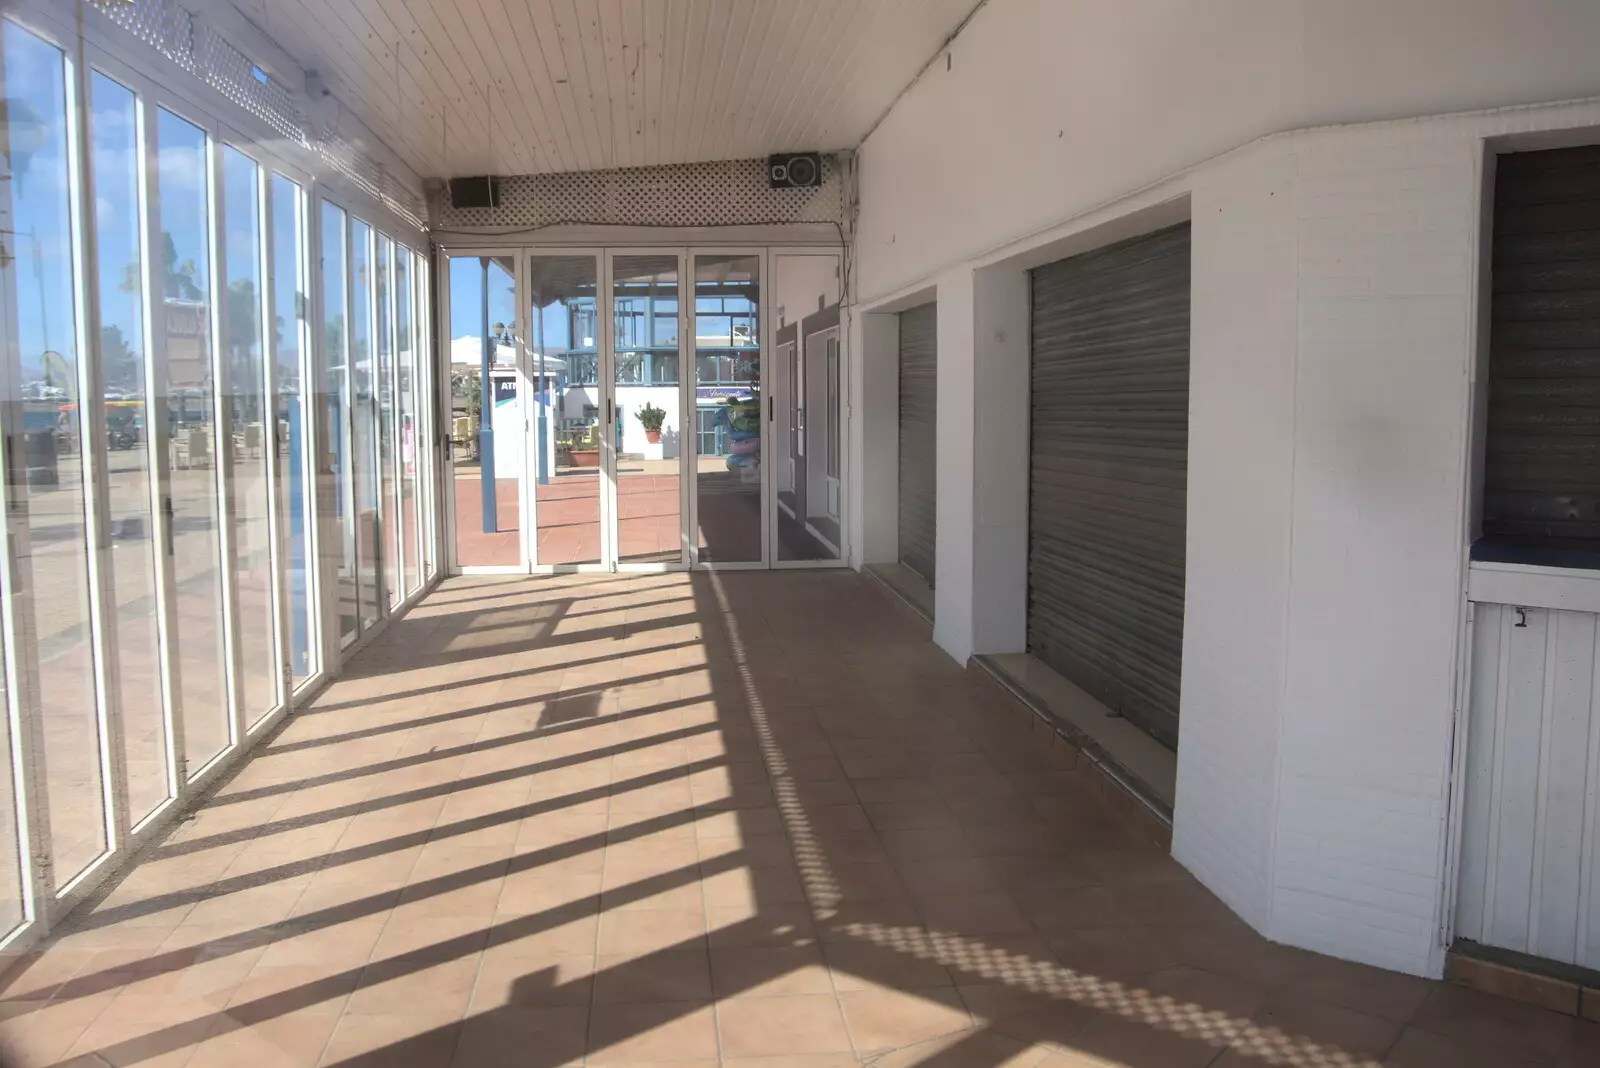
pixel 653 436
pixel 585 457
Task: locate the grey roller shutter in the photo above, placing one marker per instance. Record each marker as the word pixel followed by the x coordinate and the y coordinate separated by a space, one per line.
pixel 1542 462
pixel 918 438
pixel 1110 435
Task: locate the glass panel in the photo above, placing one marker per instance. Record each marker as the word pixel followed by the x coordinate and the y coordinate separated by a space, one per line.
pixel 11 911
pixel 429 398
pixel 389 529
pixel 341 492
pixel 482 305
pixel 406 373
pixel 247 428
pixel 114 161
pixel 807 435
pixel 561 361
pixel 364 428
pixel 190 393
pixel 51 481
pixel 289 428
pixel 648 434
pixel 728 399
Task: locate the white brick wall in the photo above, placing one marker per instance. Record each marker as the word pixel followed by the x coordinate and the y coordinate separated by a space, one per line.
pixel 1386 227
pixel 1334 308
pixel 1241 453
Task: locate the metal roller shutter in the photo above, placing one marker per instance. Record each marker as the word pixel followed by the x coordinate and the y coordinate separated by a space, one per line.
pixel 1541 488
pixel 918 442
pixel 1110 430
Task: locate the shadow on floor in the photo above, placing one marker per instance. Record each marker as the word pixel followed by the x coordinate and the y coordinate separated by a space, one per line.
pixel 746 818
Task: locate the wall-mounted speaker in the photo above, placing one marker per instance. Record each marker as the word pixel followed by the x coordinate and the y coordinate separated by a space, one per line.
pixel 480 192
pixel 794 170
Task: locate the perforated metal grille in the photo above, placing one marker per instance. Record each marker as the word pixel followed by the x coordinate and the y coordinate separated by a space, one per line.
pixel 167 28
pixel 730 193
pixel 171 31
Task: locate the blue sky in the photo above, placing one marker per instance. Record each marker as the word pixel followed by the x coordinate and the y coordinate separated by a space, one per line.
pixel 35 76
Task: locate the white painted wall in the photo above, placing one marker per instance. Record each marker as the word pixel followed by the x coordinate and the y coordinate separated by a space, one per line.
pixel 1335 296
pixel 801 281
pixel 1241 453
pixel 1052 107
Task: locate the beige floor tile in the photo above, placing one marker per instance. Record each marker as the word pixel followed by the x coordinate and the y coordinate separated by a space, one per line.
pixel 636 934
pixel 977 1048
pixel 974 914
pixel 290 1040
pixel 522 773
pixel 670 975
pixel 510 981
pixel 859 966
pixel 439 990
pixel 165 1036
pixel 884 1019
pixel 1493 1023
pixel 564 932
pixel 760 924
pixel 764 1027
pixel 770 971
pixel 391 1042
pixel 38 1033
pixel 670 1031
pixel 514 1036
pixel 347 945
pixel 807 1060
pixel 316 987
pixel 421 936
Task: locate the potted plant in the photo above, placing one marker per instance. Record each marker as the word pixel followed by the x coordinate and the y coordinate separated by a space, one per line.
pixel 651 418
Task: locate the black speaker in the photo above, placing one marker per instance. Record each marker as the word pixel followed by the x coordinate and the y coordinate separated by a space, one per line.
pixel 480 192
pixel 795 170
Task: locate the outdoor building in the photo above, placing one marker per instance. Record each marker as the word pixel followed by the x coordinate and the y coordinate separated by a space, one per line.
pixel 797 535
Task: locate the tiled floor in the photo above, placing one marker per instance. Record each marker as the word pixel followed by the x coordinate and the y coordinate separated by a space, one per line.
pixel 751 818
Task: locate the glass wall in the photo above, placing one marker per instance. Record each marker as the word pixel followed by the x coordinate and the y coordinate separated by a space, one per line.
pixel 290 336
pixel 189 389
pixel 119 289
pixel 486 451
pixel 364 420
pixel 728 407
pixel 406 420
pixel 388 486
pixel 49 483
pixel 563 351
pixel 335 340
pixel 248 416
pixel 168 397
pixel 648 431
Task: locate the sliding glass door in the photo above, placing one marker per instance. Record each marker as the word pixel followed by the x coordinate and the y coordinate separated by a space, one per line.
pixel 645 409
pixel 731 409
pixel 562 371
pixel 645 414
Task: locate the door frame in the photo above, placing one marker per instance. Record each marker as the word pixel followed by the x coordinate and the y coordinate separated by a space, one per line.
pixel 446 405
pixel 528 381
pixel 767 490
pixel 609 459
pixel 846 409
pixel 773 390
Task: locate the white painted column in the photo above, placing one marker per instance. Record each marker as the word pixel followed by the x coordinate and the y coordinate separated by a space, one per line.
pixel 1001 384
pixel 955 454
pixel 875 423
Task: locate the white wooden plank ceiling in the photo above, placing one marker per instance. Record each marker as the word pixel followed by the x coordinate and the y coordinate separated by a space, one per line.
pixel 460 87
